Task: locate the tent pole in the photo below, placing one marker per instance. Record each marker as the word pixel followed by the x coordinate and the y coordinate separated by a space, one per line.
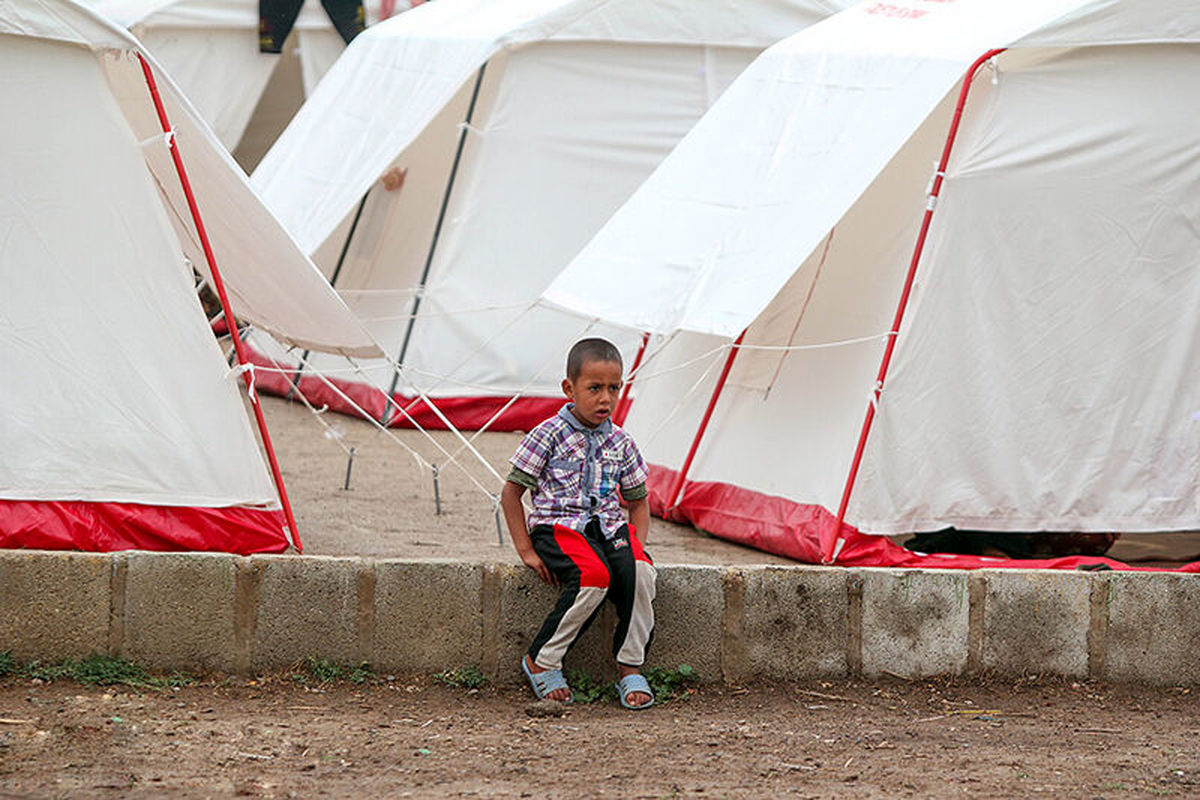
pixel 830 539
pixel 677 487
pixel 437 232
pixel 219 285
pixel 333 283
pixel 623 403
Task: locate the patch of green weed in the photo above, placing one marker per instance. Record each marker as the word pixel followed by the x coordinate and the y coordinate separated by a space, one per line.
pixel 7 664
pixel 468 677
pixel 666 683
pixel 321 670
pixel 360 674
pixel 101 670
pixel 587 689
pixel 671 684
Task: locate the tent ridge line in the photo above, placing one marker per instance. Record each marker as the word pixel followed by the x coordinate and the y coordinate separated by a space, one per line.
pixel 830 538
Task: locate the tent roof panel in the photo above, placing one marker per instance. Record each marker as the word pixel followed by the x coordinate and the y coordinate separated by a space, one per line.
pixel 1120 22
pixel 63 22
pixel 272 283
pixel 728 216
pixel 398 75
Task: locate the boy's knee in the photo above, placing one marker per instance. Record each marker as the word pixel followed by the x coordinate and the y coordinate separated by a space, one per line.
pixel 647 578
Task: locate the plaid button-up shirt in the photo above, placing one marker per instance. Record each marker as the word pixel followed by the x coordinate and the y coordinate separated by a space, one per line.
pixel 578 470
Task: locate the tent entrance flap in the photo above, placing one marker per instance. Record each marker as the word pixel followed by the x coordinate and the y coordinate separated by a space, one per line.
pixel 219 285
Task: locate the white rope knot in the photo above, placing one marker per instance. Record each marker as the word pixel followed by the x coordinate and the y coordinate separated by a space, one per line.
pixel 876 391
pixel 466 126
pixel 167 137
pixel 937 172
pixel 240 370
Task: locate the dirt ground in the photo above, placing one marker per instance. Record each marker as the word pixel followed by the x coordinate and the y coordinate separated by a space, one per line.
pixel 413 738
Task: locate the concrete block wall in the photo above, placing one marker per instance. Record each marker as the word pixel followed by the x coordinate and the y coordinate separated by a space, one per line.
pixel 191 611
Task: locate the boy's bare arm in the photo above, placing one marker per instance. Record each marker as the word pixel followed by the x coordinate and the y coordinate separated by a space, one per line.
pixel 514 517
pixel 639 517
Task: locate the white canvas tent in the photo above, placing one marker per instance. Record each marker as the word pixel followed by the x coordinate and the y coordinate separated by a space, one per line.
pixel 1042 374
pixel 522 125
pixel 122 426
pixel 210 47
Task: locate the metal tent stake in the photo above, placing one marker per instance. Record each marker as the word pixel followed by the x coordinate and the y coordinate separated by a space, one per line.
pixel 349 466
pixel 437 493
pixel 499 530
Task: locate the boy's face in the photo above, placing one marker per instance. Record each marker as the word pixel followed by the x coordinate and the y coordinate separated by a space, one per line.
pixel 595 391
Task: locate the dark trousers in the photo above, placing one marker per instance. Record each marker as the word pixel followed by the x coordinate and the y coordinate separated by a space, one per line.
pixel 591 569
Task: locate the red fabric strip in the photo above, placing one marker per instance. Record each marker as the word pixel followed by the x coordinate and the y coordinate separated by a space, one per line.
pixel 793 530
pixel 104 527
pixel 639 553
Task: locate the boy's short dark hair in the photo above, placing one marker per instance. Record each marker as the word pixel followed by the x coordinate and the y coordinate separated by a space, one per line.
pixel 586 350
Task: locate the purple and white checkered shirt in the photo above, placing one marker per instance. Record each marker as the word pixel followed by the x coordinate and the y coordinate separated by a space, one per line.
pixel 578 470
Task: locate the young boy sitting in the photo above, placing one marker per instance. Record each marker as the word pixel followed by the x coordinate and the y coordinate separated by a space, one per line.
pixel 576 537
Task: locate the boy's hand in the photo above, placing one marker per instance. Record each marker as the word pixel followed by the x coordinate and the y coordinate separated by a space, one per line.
pixel 535 563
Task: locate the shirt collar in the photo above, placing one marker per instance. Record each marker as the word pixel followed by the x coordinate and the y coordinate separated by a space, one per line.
pixel 565 414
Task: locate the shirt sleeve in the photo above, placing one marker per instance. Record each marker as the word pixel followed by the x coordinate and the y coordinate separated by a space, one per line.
pixel 522 478
pixel 633 469
pixel 638 492
pixel 534 451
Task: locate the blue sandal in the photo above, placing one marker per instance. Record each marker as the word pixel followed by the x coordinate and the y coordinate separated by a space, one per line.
pixel 544 683
pixel 630 684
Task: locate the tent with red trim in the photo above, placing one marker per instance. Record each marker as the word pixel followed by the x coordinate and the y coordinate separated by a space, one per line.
pixel 457 155
pixel 211 49
pixel 122 425
pixel 925 265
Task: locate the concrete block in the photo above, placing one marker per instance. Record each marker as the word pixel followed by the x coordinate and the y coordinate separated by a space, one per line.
pixel 795 622
pixel 1035 621
pixel 307 608
pixel 524 603
pixel 54 605
pixel 427 616
pixel 914 623
pixel 1153 619
pixel 179 610
pixel 688 611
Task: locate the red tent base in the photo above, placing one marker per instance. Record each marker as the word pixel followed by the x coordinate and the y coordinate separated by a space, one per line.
pixel 793 530
pixel 104 527
pixel 464 413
